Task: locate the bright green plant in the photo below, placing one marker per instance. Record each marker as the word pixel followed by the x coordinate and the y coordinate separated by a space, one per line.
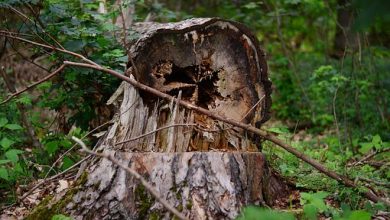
pixel 13 167
pixel 255 213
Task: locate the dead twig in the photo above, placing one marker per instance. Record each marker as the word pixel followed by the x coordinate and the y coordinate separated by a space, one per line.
pixel 266 135
pixel 378 183
pixel 70 149
pixel 21 14
pixel 23 114
pixel 34 84
pixel 136 175
pixel 11 35
pixel 369 156
pixel 51 178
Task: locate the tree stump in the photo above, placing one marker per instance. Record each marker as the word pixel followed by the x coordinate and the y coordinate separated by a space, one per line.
pixel 205 168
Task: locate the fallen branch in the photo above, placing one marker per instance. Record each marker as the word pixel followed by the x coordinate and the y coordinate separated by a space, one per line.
pixel 369 156
pixel 50 179
pixel 378 183
pixel 136 175
pixel 34 84
pixel 266 135
pixel 11 35
pixel 70 149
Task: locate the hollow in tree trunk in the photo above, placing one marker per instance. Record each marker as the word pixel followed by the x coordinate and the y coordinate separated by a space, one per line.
pixel 204 168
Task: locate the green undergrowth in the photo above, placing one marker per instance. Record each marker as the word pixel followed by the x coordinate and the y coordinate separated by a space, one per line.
pixel 48 209
pixel 316 188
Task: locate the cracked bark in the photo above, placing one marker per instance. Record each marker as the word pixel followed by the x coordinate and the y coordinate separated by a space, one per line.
pixel 208 172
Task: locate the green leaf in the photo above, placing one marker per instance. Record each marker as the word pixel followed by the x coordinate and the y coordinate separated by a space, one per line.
pixel 66 163
pixel 6 143
pixel 12 155
pixel 310 211
pixel 123 59
pixel 251 5
pixel 4 161
pixel 74 45
pixel 3 121
pixel 52 147
pixel 377 142
pixel 4 173
pixel 66 143
pixel 359 214
pixel 26 100
pixel 256 213
pixel 13 127
pixel 365 147
pixel 45 85
pixel 278 130
pixel 315 199
pixel 60 217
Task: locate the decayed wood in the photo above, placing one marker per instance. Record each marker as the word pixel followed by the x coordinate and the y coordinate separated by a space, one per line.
pixel 187 105
pixel 199 53
pixel 211 63
pixel 136 118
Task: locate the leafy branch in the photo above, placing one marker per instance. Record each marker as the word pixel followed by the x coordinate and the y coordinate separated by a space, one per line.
pixel 266 135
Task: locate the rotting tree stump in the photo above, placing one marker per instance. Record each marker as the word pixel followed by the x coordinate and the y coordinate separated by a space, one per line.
pixel 205 168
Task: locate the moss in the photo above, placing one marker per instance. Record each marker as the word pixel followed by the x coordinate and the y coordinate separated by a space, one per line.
pixel 154 216
pixel 178 195
pixel 41 211
pixel 189 205
pixel 45 210
pixel 180 208
pixel 144 201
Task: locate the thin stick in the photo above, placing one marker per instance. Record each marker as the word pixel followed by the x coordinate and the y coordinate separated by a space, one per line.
pixel 266 135
pixel 387 185
pixel 51 178
pixel 34 84
pixel 251 109
pixel 9 35
pixel 70 149
pixel 23 114
pixel 136 175
pixel 369 156
pixel 40 27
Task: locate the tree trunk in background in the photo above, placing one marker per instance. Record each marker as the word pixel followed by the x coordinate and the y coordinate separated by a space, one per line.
pixel 345 39
pixel 208 171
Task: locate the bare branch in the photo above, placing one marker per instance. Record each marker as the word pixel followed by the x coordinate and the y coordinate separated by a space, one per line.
pixel 70 149
pixel 34 84
pixel 23 114
pixel 52 178
pixel 40 27
pixel 369 156
pixel 136 175
pixel 11 35
pixel 266 135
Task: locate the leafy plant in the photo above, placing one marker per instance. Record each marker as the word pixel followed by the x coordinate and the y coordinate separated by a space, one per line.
pixel 255 213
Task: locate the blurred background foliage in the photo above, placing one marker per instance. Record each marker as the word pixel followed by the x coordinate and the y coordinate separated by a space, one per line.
pixel 328 61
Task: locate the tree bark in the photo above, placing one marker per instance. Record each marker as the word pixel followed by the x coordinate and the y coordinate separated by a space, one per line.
pixel 204 168
pixel 345 38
